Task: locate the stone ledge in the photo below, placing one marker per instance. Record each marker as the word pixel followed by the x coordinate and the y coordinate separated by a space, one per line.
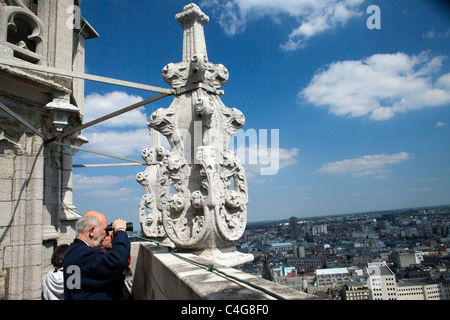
pixel 159 275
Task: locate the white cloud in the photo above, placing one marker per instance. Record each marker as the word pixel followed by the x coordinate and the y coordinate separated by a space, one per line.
pixel 120 194
pixel 312 17
pixel 121 143
pixel 288 156
pixel 440 124
pixel 358 194
pixel 96 106
pixel 418 189
pixel 82 182
pixel 266 161
pixel 433 34
pixel 371 173
pixel 123 135
pixel 430 179
pixel 380 86
pixel 104 187
pixel 370 165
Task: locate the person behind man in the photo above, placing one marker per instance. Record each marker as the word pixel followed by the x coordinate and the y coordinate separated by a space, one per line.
pixel 52 284
pixel 100 272
pixel 107 241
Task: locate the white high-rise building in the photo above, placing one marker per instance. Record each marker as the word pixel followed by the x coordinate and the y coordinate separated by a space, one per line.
pixel 381 281
pixel 382 285
pixel 320 229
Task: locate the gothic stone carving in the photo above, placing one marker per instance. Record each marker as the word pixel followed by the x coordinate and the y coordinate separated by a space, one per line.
pixel 20 27
pixel 196 194
pixel 150 215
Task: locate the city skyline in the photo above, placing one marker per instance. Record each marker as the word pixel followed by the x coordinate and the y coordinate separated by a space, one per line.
pixel 361 109
pixel 342 257
pixel 351 215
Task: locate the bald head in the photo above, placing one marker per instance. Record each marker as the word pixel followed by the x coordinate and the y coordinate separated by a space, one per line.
pixel 91 218
pixel 91 227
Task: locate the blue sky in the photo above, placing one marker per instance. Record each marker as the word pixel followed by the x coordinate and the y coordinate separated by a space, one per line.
pixel 363 114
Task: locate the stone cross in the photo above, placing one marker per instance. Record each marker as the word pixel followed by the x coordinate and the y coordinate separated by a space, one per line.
pixel 196 194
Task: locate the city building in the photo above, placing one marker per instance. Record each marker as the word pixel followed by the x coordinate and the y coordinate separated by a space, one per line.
pixel 420 289
pixel 299 250
pixel 317 262
pixel 283 271
pixel 282 247
pixel 410 290
pixel 293 224
pixel 355 291
pixel 404 259
pixel 332 277
pixel 319 229
pixel 392 265
pixel 381 281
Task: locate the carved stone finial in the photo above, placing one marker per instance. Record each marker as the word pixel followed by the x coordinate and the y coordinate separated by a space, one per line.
pixel 196 195
pixel 192 20
pixel 191 13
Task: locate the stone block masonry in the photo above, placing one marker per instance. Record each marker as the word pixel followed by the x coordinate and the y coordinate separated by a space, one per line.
pixel 159 275
pixel 36 210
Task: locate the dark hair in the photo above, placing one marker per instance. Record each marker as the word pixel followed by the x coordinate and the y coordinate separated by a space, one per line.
pixel 58 255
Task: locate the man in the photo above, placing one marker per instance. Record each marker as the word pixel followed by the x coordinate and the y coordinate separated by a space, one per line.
pixel 100 272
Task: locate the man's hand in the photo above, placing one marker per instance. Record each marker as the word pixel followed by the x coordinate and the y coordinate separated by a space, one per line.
pixel 120 224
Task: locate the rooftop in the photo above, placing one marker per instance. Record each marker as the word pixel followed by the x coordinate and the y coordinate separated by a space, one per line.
pixel 379 271
pixel 414 282
pixel 331 271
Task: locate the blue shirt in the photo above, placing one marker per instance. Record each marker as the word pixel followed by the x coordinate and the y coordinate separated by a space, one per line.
pixel 101 272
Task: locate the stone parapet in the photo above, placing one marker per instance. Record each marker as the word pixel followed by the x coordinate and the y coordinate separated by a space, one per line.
pixel 161 275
